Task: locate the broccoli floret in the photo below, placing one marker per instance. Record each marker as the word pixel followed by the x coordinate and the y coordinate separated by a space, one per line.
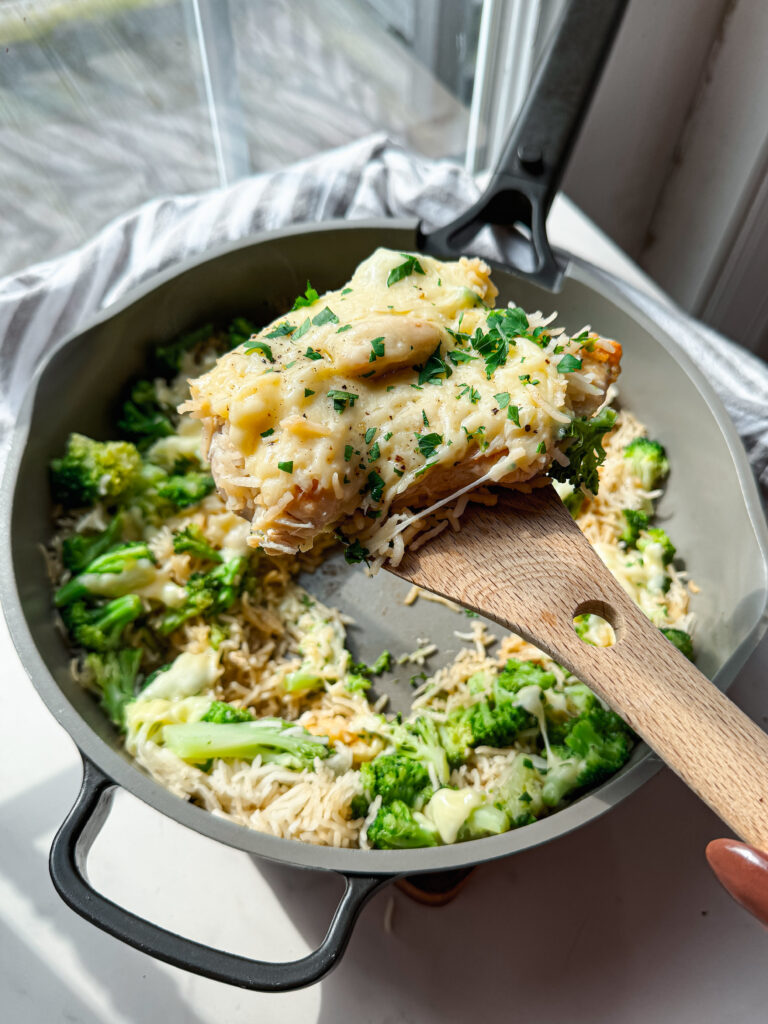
pixel 144 417
pixel 208 593
pixel 584 450
pixel 168 357
pixel 356 683
pixel 420 740
pixel 121 559
pixel 382 664
pixel 574 502
pixel 80 549
pixel 185 489
pixel 396 828
pixel 395 777
pixel 90 470
pixel 519 792
pixel 486 820
pixel 634 522
pixel 222 713
pixel 656 536
pixel 192 541
pixel 271 739
pixel 681 640
pixel 484 724
pixel 101 628
pixel 517 674
pixel 596 744
pixel 648 461
pixel 114 674
pixel 302 680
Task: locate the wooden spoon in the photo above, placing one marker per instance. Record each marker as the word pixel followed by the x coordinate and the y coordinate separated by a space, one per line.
pixel 525 564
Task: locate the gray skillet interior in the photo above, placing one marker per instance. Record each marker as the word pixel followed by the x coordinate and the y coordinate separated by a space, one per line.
pixel 711 508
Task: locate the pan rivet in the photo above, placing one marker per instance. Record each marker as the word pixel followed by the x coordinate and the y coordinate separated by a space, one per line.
pixel 531 157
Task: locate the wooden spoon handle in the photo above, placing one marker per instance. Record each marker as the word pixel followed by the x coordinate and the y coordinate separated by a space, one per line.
pixel 525 563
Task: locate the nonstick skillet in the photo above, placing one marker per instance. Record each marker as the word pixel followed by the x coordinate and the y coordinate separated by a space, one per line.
pixel 75 388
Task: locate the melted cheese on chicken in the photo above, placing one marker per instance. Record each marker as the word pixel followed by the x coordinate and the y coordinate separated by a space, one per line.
pixel 399 389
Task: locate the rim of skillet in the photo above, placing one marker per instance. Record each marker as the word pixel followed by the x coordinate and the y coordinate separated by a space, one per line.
pixel 125 773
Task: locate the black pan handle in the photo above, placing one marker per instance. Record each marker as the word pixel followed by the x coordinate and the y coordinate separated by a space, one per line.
pixel 526 178
pixel 69 853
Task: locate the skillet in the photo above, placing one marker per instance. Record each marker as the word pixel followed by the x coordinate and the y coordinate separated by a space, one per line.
pixel 259 278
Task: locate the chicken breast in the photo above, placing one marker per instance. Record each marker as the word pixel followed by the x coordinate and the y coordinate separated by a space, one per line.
pixel 398 390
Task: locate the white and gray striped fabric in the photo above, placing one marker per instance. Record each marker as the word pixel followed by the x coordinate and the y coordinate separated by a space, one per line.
pixel 370 178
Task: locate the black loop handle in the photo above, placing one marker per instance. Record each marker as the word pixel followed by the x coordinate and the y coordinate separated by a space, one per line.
pixel 530 169
pixel 69 853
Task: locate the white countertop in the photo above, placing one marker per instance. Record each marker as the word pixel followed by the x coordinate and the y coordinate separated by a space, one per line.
pixel 618 923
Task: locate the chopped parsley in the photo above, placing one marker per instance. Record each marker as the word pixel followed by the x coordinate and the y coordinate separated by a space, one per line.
pixel 345 291
pixel 540 448
pixel 370 434
pixel 309 298
pixel 388 435
pixel 434 369
pixel 308 392
pixel 411 266
pixel 429 443
pixel 282 329
pixel 525 378
pixel 325 316
pixel 424 418
pixel 568 364
pixel 287 467
pixel 342 399
pixel 344 327
pixel 513 413
pixel 423 470
pixel 302 330
pixel 374 452
pixel 259 346
pixel 585 451
pixel 266 433
pixel 348 449
pixel 458 355
pixel 376 485
pixel 503 399
pixel 311 354
pixel 465 391
pixel 354 552
pixel 377 349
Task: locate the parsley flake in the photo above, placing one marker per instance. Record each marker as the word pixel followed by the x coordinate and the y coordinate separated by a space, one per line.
pixel 429 443
pixel 259 346
pixel 325 316
pixel 568 364
pixel 344 327
pixel 377 349
pixel 374 452
pixel 466 391
pixel 345 291
pixel 266 433
pixel 308 392
pixel 513 413
pixel 376 485
pixel 411 266
pixel 287 467
pixel 503 399
pixel 540 448
pixel 311 354
pixel 342 399
pixel 309 298
pixel 458 355
pixel 370 434
pixel 348 449
pixel 282 329
pixel 302 330
pixel 424 418
pixel 433 370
